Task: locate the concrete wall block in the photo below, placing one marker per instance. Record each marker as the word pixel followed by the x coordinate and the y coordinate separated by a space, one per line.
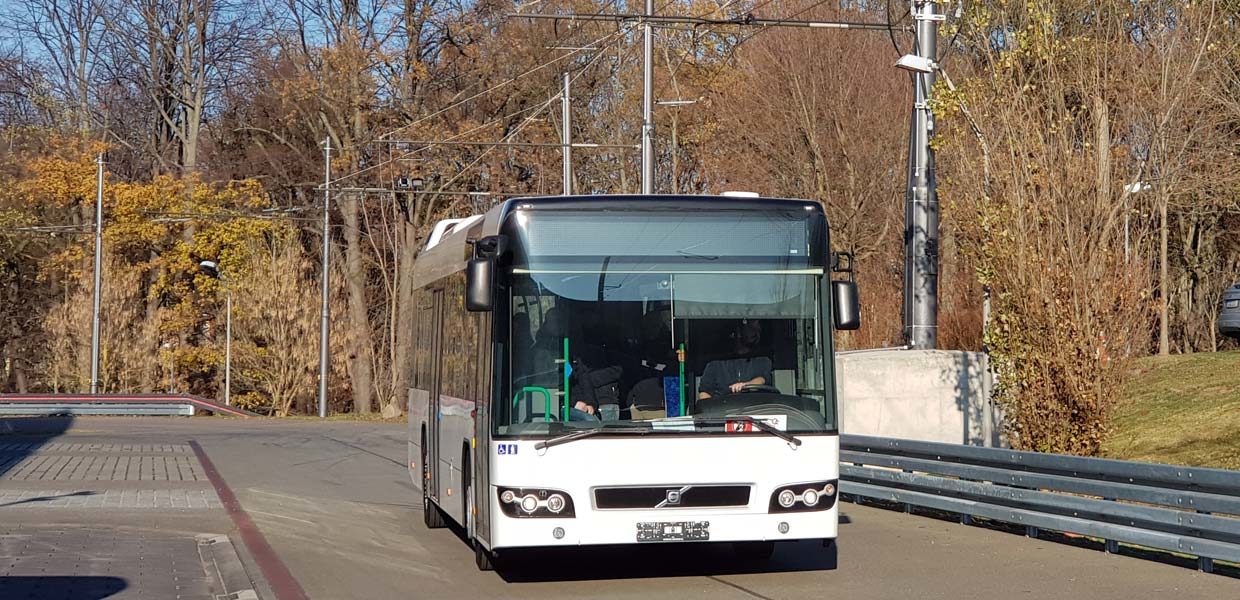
pixel 930 395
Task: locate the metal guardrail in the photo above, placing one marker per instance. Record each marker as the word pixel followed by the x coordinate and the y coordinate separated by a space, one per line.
pixel 113 404
pixel 1188 510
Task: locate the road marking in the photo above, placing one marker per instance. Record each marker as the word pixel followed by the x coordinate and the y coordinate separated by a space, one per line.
pixel 278 576
pixel 267 514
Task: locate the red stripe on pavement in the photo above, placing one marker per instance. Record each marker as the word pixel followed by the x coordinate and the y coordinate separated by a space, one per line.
pixel 277 575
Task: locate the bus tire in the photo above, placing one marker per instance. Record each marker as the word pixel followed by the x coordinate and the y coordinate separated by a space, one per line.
pixel 483 558
pixel 467 490
pixel 753 551
pixel 431 514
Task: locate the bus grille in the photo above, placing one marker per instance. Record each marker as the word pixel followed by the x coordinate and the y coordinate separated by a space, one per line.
pixel 671 496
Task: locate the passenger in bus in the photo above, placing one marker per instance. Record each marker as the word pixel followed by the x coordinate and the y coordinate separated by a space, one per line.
pixel 547 348
pixel 647 397
pixel 595 382
pixel 730 376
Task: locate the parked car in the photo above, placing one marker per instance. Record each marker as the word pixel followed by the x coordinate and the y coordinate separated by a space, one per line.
pixel 1229 312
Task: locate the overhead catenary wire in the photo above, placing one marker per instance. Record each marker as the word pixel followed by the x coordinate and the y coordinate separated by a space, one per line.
pixel 405 156
pixel 509 81
pixel 519 127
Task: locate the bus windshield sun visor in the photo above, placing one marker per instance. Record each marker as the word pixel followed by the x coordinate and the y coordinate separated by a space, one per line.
pixel 648 240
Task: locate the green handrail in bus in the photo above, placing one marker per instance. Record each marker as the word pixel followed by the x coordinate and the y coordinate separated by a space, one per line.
pixel 516 399
pixel 680 358
pixel 567 371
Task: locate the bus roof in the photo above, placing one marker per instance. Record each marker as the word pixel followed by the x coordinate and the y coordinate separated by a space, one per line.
pixel 452 248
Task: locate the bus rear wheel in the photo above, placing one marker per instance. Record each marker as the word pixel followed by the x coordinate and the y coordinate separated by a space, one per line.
pixel 753 551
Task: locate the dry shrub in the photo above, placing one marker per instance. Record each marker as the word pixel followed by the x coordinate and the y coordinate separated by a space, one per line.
pixel 128 360
pixel 1032 176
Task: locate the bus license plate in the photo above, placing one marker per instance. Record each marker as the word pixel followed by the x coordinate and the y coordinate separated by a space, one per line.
pixel 674 531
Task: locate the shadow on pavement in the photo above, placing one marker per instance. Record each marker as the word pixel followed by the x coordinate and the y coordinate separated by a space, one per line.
pixel 56 588
pixel 22 436
pixel 662 560
pixel 50 498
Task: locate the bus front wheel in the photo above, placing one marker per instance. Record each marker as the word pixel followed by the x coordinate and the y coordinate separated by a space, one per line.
pixel 483 558
pixel 431 514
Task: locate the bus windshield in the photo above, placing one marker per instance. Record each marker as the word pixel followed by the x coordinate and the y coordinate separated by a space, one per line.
pixel 672 351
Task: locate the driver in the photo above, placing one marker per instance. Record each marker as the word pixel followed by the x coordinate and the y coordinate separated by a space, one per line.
pixel 731 375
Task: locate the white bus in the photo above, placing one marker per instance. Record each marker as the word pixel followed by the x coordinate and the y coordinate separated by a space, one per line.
pixel 629 369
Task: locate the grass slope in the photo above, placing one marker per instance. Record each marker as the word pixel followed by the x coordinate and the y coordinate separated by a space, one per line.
pixel 1180 410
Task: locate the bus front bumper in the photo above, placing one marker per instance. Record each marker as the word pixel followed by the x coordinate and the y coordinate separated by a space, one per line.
pixel 606 527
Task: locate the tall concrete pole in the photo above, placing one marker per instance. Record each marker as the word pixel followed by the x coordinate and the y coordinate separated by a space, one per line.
pixel 566 137
pixel 94 323
pixel 648 101
pixel 921 235
pixel 324 310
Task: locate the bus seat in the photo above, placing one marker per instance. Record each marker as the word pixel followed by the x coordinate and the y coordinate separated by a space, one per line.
pixel 640 414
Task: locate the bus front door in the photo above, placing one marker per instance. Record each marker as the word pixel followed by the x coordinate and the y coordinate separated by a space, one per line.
pixel 433 418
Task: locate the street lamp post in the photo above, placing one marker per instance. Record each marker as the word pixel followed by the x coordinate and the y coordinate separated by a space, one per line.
pixel 213 267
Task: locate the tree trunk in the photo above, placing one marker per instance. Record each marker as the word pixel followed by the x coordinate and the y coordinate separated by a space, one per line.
pixel 1103 142
pixel 1164 344
pixel 360 347
pixel 405 311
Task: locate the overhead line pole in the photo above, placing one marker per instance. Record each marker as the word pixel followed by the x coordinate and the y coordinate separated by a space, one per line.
pixel 566 136
pixel 98 283
pixel 324 309
pixel 647 161
pixel 921 217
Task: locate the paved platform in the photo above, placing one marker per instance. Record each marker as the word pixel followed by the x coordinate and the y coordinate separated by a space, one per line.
pixel 94 519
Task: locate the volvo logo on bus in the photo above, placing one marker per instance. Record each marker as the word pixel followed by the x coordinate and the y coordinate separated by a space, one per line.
pixel 672 497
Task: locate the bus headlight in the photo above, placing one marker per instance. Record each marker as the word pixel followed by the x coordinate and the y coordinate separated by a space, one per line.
pixel 529 503
pixel 803 497
pixel 524 503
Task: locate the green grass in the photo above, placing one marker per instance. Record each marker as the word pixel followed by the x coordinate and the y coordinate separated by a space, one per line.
pixel 1180 410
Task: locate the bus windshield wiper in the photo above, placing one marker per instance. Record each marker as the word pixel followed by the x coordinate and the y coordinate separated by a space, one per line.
pixel 759 423
pixel 584 433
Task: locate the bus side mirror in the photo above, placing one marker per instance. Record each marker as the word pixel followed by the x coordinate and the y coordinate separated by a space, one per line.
pixel 847 304
pixel 480 285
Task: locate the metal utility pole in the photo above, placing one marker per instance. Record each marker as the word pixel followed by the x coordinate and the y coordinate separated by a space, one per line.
pixel 648 100
pixel 921 234
pixel 227 345
pixel 566 138
pixel 94 324
pixel 324 313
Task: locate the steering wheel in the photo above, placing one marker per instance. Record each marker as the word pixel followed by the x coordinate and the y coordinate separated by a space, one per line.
pixel 757 387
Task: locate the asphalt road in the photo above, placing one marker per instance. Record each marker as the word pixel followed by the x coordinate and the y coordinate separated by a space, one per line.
pixel 334 503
